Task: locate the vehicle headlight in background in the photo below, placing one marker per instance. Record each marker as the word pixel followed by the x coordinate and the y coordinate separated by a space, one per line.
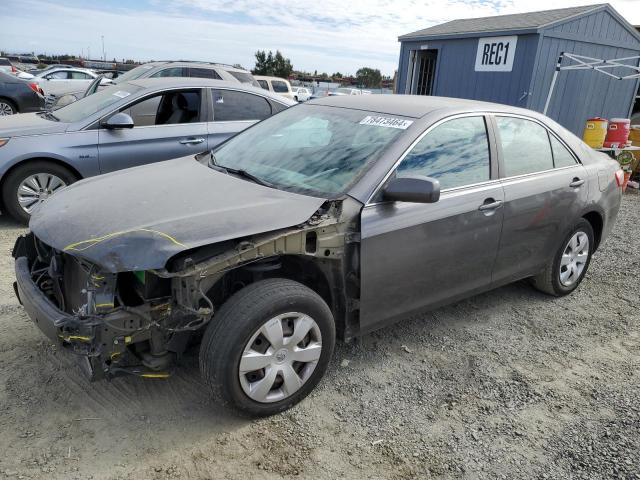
pixel 3 141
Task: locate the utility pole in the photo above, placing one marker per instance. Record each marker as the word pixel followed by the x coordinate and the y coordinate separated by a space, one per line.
pixel 104 57
pixel 88 53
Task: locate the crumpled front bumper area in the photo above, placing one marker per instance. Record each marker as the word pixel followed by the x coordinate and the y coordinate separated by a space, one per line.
pixel 101 335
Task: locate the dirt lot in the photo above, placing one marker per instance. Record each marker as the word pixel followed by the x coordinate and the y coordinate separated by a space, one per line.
pixel 510 384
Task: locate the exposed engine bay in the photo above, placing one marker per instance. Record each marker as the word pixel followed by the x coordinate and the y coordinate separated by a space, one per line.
pixel 140 322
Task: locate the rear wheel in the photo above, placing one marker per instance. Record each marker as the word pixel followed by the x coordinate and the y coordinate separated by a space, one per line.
pixel 31 184
pixel 7 107
pixel 267 347
pixel 569 265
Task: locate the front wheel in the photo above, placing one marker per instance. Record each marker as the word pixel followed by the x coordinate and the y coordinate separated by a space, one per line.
pixel 567 268
pixel 30 184
pixel 267 347
pixel 7 107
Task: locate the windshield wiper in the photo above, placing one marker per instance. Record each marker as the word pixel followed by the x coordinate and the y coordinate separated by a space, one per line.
pixel 49 115
pixel 239 172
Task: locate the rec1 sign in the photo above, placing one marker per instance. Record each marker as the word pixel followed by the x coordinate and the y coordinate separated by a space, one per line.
pixel 495 54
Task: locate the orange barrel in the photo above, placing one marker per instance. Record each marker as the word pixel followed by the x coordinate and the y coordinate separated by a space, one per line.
pixel 595 132
pixel 618 132
pixel 634 137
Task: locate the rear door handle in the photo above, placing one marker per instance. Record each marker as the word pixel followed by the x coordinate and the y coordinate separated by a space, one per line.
pixel 191 141
pixel 576 182
pixel 491 205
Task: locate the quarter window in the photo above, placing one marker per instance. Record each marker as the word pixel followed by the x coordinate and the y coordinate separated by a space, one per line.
pixel 279 86
pixel 232 105
pixel 455 152
pixel 561 156
pixel 525 146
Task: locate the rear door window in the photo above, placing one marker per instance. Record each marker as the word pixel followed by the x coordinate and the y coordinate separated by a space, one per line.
pixel 264 84
pixel 170 72
pixel 455 152
pixel 204 73
pixel 233 105
pixel 561 156
pixel 80 76
pixel 60 75
pixel 525 146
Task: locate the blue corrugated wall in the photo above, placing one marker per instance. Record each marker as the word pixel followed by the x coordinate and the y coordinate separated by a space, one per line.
pixel 578 94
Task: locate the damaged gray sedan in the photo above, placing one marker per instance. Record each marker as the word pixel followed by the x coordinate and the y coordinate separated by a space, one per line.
pixel 330 219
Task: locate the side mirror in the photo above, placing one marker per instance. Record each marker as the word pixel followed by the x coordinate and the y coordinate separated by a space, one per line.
pixel 415 189
pixel 117 121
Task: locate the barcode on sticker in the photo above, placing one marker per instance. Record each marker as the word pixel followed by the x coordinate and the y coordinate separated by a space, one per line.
pixel 388 122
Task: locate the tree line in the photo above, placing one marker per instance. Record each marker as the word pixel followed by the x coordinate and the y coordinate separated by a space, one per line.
pixel 276 65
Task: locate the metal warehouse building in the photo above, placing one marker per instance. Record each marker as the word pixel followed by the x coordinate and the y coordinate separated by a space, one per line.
pixel 512 59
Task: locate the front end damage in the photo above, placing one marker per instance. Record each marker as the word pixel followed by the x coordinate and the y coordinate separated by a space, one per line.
pixel 141 322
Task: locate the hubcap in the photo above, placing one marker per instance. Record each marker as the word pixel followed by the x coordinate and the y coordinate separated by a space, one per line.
pixel 36 189
pixel 280 357
pixel 5 109
pixel 574 259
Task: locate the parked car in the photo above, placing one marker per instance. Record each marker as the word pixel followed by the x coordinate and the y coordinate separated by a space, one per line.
pixel 277 85
pixel 344 91
pixel 18 96
pixel 214 71
pixel 330 219
pixel 35 71
pixel 55 103
pixel 6 66
pixel 122 126
pixel 301 94
pixel 58 81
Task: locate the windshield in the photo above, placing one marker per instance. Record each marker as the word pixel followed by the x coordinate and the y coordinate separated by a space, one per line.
pixel 87 106
pixel 134 73
pixel 311 148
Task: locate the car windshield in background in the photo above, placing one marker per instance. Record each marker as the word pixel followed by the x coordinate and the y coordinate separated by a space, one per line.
pixel 311 149
pixel 133 73
pixel 87 106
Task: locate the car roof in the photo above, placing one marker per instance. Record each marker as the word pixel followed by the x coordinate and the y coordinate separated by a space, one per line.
pixel 415 106
pixel 160 63
pixel 267 77
pixel 190 82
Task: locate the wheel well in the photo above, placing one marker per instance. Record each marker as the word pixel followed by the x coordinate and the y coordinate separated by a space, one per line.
pixel 597 223
pixel 293 267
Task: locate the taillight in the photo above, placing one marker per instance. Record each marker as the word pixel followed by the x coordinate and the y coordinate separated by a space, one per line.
pixel 36 88
pixel 14 69
pixel 620 177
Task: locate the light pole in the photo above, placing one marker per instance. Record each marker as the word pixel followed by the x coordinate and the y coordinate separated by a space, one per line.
pixel 104 57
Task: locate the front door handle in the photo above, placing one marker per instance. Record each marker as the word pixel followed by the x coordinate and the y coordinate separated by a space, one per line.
pixel 490 204
pixel 576 182
pixel 191 141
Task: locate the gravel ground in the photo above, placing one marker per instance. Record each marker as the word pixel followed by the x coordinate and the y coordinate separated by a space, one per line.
pixel 510 384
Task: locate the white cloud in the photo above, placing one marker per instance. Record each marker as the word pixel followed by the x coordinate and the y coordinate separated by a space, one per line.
pixel 329 35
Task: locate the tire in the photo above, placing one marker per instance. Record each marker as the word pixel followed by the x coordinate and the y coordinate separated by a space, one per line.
pixel 7 107
pixel 550 280
pixel 21 173
pixel 239 321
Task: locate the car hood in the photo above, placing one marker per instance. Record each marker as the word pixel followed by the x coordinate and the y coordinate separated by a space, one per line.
pixel 137 219
pixel 29 124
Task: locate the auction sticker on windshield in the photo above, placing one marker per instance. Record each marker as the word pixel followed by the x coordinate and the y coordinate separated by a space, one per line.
pixel 121 94
pixel 388 122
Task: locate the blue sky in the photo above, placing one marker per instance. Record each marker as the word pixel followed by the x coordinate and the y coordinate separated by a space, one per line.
pixel 326 35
